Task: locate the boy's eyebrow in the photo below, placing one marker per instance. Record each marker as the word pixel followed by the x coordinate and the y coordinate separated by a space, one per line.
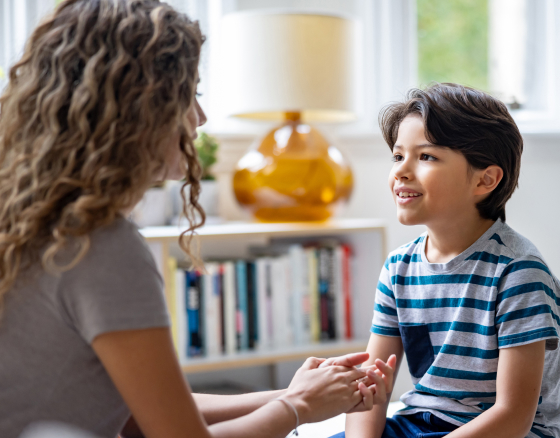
pixel 423 145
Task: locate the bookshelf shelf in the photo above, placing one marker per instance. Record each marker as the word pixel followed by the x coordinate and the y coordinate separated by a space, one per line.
pixel 295 229
pixel 272 356
pixel 235 240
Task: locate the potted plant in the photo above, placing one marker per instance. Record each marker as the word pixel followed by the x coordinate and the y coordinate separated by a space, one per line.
pixel 207 148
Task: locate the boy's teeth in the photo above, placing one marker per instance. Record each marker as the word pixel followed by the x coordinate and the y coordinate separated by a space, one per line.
pixel 407 194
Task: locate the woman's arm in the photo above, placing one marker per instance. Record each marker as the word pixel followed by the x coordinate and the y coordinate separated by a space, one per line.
pixel 218 408
pixel 143 366
pixel 518 387
pixel 370 424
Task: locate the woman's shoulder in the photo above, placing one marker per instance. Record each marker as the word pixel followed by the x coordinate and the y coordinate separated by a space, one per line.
pixel 119 240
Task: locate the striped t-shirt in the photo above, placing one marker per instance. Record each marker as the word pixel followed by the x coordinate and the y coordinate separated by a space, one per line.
pixel 454 317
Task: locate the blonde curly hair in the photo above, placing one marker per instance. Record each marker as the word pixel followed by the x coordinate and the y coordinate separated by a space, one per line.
pixel 98 90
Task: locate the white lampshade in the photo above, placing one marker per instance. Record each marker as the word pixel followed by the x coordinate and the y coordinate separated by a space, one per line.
pixel 273 63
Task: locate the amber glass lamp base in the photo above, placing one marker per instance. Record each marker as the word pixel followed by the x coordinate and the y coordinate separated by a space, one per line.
pixel 293 174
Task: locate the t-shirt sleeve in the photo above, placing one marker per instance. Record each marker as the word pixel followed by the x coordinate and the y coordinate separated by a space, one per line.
pixel 527 304
pixel 115 287
pixel 385 319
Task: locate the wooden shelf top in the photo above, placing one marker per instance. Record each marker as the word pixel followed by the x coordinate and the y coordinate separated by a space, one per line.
pixel 272 356
pixel 232 229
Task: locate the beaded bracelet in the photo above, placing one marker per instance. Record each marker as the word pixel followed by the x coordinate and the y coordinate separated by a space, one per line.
pixel 293 408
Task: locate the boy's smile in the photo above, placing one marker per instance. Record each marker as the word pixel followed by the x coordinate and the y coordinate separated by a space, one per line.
pixel 431 185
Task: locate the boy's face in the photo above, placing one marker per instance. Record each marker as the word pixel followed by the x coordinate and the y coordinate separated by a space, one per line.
pixel 431 185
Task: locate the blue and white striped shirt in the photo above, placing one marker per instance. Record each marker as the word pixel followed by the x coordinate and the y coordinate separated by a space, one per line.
pixel 454 317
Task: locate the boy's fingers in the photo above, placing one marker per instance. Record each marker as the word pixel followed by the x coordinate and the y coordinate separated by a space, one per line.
pixel 377 381
pixel 392 361
pixel 367 395
pixel 384 368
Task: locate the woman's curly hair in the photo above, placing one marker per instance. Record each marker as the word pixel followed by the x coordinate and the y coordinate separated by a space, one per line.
pixel 83 124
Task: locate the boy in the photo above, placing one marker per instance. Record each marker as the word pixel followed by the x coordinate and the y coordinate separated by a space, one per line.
pixel 471 302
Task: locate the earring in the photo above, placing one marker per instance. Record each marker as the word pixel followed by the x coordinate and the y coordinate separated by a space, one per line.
pixel 396 178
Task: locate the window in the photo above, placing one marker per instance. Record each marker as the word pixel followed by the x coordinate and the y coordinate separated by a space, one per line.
pixel 453 42
pixel 505 47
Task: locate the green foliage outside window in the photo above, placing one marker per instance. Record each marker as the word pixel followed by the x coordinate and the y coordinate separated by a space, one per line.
pixel 453 42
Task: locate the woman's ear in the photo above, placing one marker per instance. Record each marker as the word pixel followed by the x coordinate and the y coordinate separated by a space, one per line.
pixel 488 179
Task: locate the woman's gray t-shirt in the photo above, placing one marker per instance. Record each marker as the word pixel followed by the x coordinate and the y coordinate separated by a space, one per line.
pixel 48 369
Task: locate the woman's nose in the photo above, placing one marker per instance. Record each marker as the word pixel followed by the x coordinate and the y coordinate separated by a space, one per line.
pixel 201 114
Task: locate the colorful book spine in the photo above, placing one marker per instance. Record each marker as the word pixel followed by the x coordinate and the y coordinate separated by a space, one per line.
pixel 313 279
pixel 194 313
pixel 181 317
pixel 230 326
pixel 252 305
pixel 340 305
pixel 242 305
pixel 212 310
pixel 347 289
pixel 264 304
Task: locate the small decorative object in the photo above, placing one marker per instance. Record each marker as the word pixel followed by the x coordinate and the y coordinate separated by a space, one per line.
pixel 153 209
pixel 207 148
pixel 294 174
pixel 297 68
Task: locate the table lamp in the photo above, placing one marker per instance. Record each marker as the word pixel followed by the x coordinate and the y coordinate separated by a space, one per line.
pixel 294 68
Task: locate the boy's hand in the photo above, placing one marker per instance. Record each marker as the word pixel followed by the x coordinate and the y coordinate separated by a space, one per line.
pixel 385 370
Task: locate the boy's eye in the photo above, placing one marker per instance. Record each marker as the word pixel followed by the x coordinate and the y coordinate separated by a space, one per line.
pixel 198 94
pixel 427 157
pixel 397 157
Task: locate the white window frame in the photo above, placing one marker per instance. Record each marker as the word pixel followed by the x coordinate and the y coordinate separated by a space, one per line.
pixel 18 18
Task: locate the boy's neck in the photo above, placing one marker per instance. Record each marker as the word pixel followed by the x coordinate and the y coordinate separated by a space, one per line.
pixel 447 241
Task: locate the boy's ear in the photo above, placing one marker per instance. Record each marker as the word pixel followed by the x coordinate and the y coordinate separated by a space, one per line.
pixel 488 179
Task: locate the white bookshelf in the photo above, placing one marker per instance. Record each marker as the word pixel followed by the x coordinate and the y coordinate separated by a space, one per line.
pixel 234 239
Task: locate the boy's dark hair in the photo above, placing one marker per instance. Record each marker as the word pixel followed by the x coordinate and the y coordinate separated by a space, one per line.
pixel 470 122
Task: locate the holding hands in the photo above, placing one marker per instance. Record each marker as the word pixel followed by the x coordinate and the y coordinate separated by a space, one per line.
pixel 323 388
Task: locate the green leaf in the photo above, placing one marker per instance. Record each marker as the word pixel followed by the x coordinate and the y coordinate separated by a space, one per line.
pixel 207 148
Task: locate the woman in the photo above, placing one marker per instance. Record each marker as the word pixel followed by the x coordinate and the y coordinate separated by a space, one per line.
pixel 101 106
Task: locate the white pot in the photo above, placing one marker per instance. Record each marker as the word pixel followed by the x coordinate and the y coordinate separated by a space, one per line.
pixel 153 209
pixel 208 198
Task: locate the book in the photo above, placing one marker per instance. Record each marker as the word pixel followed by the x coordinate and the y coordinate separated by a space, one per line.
pixel 300 295
pixel 264 302
pixel 347 289
pixel 242 311
pixel 313 281
pixel 252 305
pixel 194 314
pixel 181 323
pixel 230 326
pixel 338 292
pixel 280 300
pixel 212 310
pixel 325 293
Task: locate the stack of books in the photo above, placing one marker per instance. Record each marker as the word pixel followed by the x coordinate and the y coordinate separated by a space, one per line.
pixel 284 296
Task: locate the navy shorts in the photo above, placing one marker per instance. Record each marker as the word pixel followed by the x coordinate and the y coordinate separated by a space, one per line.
pixel 420 425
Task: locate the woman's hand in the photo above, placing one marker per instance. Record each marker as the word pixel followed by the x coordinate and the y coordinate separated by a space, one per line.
pixel 321 393
pixel 385 370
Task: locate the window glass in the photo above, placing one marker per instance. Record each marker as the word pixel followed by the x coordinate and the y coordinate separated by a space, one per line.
pixel 453 42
